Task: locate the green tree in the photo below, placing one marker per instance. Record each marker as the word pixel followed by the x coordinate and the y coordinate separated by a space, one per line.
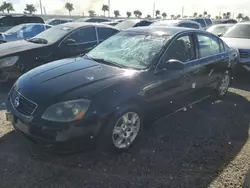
pixel 105 8
pixel 7 6
pixel 139 13
pixel 205 13
pixel 209 15
pixel 91 13
pixel 228 15
pixel 240 16
pixel 136 13
pixel 195 14
pixel 172 16
pixel 30 8
pixel 128 14
pixel 246 18
pixel 224 15
pixel 164 15
pixel 178 16
pixel 69 7
pixel 200 15
pixel 216 17
pixel 157 12
pixel 117 13
pixel 148 16
pixel 2 9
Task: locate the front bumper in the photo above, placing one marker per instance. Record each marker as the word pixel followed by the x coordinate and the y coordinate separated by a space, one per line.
pixel 70 138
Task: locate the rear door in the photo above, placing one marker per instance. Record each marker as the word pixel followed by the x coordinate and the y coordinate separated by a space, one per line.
pixel 212 56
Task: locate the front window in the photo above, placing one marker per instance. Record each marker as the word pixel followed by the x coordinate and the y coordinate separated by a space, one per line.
pixel 238 31
pixel 130 49
pixel 53 34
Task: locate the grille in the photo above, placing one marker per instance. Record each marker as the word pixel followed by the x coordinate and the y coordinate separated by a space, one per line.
pixel 244 54
pixel 22 104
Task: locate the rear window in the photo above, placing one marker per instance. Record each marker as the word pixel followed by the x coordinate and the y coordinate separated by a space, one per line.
pixel 12 21
pixel 200 21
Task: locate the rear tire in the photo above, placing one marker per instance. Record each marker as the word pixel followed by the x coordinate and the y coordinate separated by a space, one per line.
pixel 223 85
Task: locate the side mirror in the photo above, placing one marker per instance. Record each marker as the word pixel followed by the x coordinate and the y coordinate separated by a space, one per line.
pixel 220 34
pixel 70 42
pixel 174 64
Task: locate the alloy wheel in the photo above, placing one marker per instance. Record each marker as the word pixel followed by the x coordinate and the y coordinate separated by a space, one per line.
pixel 126 130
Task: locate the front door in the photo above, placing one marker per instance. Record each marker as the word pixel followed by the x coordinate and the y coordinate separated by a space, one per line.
pixel 85 39
pixel 173 88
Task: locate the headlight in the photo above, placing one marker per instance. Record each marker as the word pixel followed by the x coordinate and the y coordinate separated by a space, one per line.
pixel 67 111
pixel 8 61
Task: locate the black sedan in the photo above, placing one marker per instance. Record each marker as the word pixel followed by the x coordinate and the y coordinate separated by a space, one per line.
pixel 107 96
pixel 61 41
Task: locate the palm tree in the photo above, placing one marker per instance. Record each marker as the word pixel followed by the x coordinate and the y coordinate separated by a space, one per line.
pixel 136 13
pixel 91 13
pixel 178 16
pixel 117 13
pixel 148 16
pixel 209 15
pixel 157 12
pixel 172 17
pixel 139 13
pixel 164 15
pixel 30 8
pixel 69 7
pixel 205 13
pixel 105 8
pixel 200 15
pixel 2 9
pixel 216 17
pixel 128 14
pixel 246 18
pixel 195 14
pixel 224 15
pixel 7 6
pixel 240 16
pixel 228 15
pixel 220 17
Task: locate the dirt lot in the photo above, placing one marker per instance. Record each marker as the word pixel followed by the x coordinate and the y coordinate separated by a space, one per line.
pixel 206 146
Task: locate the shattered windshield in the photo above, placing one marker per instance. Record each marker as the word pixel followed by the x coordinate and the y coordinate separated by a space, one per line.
pixel 130 49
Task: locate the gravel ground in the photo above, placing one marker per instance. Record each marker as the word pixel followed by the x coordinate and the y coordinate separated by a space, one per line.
pixel 205 146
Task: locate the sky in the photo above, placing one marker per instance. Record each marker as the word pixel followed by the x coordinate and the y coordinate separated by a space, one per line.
pixel 213 7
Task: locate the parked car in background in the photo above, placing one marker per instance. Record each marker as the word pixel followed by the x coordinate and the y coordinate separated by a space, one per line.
pixel 9 21
pixel 107 97
pixel 110 23
pixel 144 23
pixel 96 19
pixel 219 29
pixel 128 23
pixel 238 36
pixel 61 41
pixel 204 22
pixel 23 31
pixel 178 23
pixel 224 21
pixel 57 21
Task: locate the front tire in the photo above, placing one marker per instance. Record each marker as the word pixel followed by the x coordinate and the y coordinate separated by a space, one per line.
pixel 123 129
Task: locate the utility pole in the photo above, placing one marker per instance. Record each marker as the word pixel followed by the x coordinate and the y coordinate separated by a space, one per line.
pixel 41 7
pixel 44 10
pixel 153 10
pixel 182 11
pixel 109 7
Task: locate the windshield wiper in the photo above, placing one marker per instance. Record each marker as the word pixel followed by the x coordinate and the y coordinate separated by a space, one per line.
pixel 107 62
pixel 38 40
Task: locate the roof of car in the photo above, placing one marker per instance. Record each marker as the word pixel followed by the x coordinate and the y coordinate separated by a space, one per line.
pixel 245 23
pixel 82 24
pixel 160 30
pixel 226 25
pixel 177 21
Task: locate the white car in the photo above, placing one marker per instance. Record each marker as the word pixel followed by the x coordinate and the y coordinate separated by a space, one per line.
pixel 178 23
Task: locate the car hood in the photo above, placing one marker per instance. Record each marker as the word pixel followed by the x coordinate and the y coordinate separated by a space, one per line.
pixel 237 43
pixel 49 82
pixel 17 46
